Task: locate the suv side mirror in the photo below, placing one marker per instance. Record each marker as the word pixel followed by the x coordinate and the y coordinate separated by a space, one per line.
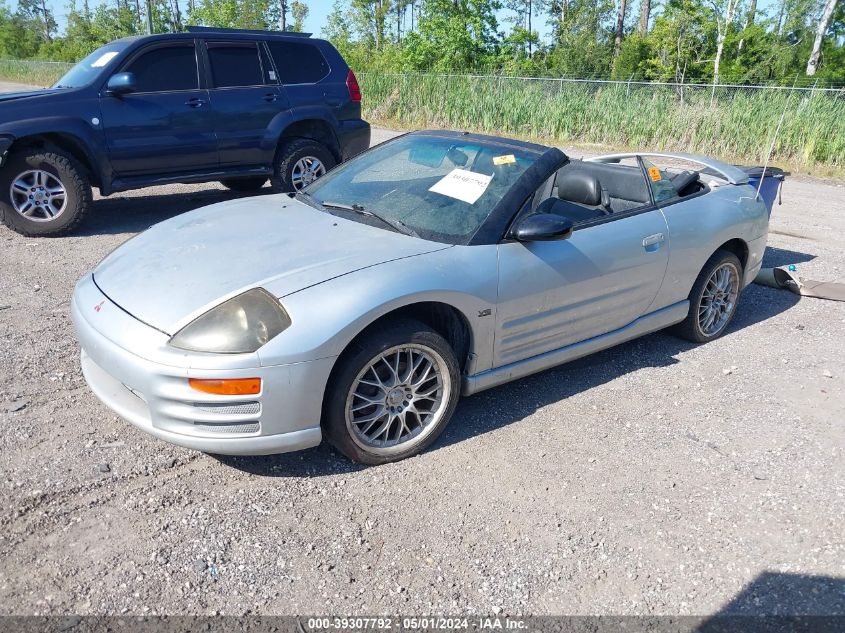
pixel 121 84
pixel 543 227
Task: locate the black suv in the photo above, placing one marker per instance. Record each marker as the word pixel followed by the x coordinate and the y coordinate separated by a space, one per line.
pixel 211 104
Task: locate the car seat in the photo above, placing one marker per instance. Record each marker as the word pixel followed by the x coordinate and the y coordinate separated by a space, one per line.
pixel 585 197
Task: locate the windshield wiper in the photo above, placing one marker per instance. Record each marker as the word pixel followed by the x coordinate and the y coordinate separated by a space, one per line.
pixel 398 225
pixel 307 198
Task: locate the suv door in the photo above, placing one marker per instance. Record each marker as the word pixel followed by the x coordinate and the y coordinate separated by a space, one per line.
pixel 603 277
pixel 245 97
pixel 165 125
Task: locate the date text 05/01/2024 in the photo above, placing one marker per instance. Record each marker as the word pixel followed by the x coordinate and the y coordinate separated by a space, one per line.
pixel 426 623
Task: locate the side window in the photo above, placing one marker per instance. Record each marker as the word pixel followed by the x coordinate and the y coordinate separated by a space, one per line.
pixel 234 65
pixel 166 69
pixel 298 63
pixel 661 186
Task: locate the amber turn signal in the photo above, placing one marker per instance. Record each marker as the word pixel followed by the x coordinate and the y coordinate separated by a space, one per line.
pixel 227 386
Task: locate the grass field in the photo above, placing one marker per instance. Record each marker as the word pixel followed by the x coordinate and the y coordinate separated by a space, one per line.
pixel 737 124
pixel 36 73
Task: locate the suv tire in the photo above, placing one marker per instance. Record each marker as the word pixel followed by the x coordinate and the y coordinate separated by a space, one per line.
pixel 59 193
pixel 244 185
pixel 299 162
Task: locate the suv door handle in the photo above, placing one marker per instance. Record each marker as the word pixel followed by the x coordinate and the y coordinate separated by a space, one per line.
pixel 653 242
pixel 195 102
pixel 270 97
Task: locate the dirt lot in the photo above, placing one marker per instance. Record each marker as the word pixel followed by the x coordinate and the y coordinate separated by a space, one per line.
pixel 653 478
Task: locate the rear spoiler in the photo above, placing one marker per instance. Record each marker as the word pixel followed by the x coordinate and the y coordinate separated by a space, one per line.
pixel 733 175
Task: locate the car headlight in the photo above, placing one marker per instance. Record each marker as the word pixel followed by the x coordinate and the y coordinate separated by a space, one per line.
pixel 240 325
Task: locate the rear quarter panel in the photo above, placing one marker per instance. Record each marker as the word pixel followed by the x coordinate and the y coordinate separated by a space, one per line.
pixel 699 226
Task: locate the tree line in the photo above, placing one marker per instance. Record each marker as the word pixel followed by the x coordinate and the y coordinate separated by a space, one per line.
pixel 726 41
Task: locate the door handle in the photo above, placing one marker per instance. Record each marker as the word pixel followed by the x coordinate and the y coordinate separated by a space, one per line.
pixel 270 98
pixel 194 102
pixel 653 242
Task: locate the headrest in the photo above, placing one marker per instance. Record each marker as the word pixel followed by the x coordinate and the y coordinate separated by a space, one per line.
pixel 579 186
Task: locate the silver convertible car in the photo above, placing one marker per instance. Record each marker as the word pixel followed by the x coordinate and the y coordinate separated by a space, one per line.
pixel 433 265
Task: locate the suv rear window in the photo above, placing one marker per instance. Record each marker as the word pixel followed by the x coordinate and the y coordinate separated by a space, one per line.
pixel 234 65
pixel 165 69
pixel 298 63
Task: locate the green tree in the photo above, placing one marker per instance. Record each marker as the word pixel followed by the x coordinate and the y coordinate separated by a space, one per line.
pixel 453 35
pixel 236 14
pixel 299 10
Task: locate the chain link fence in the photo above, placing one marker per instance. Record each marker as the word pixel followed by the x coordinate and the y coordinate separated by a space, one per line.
pixel 731 121
pixel 727 120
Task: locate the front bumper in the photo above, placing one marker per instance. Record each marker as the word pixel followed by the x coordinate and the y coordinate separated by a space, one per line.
pixel 155 396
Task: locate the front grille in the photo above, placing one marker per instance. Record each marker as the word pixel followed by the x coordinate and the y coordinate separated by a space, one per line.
pixel 246 427
pixel 228 408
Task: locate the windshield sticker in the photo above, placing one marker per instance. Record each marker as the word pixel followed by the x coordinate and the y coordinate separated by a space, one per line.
pixel 104 59
pixel 654 174
pixel 507 159
pixel 463 185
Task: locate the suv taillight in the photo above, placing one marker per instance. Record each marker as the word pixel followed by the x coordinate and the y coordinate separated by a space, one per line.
pixel 354 88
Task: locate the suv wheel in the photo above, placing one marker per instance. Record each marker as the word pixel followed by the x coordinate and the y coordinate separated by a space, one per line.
pixel 43 192
pixel 300 162
pixel 243 185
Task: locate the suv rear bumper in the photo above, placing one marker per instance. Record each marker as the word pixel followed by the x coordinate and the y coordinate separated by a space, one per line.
pixel 354 137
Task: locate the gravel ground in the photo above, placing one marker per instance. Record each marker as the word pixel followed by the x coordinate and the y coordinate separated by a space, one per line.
pixel 653 478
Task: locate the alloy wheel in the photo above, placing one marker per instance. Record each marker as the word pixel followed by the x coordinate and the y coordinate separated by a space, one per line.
pixel 38 195
pixel 306 170
pixel 718 301
pixel 397 399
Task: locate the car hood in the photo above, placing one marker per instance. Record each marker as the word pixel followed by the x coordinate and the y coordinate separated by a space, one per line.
pixel 14 96
pixel 182 267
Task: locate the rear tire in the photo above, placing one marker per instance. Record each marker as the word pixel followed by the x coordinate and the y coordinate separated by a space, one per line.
pixel 43 192
pixel 410 374
pixel 299 162
pixel 713 299
pixel 244 185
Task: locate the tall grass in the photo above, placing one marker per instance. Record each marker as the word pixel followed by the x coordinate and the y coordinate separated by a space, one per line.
pixel 34 73
pixel 739 123
pixel 736 123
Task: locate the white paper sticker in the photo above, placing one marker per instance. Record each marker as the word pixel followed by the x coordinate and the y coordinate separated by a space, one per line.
pixel 104 59
pixel 272 75
pixel 461 184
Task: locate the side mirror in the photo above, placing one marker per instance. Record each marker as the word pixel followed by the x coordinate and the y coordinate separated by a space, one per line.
pixel 543 227
pixel 121 84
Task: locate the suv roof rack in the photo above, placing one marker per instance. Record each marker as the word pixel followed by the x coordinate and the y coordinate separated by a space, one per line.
pixel 214 29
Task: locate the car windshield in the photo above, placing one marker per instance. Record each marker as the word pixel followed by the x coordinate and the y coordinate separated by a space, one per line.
pixel 89 68
pixel 441 188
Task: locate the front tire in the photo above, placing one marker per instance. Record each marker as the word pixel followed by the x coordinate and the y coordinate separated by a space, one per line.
pixel 713 299
pixel 43 193
pixel 391 394
pixel 299 162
